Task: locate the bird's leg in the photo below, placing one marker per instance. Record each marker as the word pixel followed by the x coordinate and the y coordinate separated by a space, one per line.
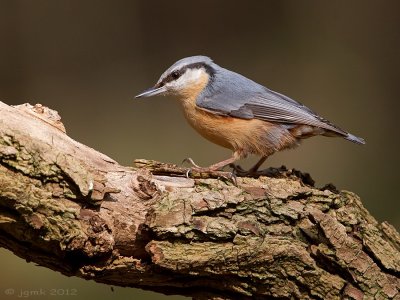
pixel 254 168
pixel 223 163
pixel 252 171
pixel 215 168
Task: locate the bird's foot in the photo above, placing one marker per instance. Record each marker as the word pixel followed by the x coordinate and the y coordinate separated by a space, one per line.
pixel 214 171
pixel 240 172
pixel 211 173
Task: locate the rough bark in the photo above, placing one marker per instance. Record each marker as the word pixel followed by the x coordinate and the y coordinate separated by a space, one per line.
pixel 72 209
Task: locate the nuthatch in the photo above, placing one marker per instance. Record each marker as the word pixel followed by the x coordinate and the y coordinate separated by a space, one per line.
pixel 237 113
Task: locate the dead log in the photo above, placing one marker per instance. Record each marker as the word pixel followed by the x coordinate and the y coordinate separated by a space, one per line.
pixel 74 210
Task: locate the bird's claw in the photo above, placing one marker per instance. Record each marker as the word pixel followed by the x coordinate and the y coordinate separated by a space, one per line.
pixel 191 162
pixel 187 173
pixel 233 178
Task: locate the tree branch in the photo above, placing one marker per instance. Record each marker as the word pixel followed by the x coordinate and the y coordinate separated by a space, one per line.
pixel 72 209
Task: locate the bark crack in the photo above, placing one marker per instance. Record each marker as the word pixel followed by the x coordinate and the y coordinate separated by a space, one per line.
pixel 72 209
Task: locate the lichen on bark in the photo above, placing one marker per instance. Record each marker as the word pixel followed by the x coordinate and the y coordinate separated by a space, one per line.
pixel 72 209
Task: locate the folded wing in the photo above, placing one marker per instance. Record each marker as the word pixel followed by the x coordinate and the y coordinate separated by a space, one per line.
pixel 237 96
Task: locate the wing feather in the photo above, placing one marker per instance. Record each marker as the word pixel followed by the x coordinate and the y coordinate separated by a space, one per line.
pixel 232 94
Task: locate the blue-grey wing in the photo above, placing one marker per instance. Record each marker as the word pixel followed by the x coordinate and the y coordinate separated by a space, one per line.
pixel 234 95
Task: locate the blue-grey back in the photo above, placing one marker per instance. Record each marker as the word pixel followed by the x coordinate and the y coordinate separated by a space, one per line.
pixel 231 94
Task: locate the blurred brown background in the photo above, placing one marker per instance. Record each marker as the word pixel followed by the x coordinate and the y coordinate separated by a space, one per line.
pixel 88 59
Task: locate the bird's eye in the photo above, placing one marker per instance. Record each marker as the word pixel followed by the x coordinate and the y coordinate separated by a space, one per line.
pixel 175 75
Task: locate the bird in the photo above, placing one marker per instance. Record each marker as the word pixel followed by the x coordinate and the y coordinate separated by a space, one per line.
pixel 237 113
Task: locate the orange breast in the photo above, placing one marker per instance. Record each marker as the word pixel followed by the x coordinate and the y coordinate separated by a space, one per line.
pixel 246 136
pixel 227 132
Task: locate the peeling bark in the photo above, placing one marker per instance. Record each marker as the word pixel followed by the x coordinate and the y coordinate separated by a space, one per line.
pixel 72 209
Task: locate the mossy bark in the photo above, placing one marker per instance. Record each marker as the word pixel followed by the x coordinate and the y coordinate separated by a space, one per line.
pixel 72 209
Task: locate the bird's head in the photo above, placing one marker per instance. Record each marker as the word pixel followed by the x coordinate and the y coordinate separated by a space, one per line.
pixel 184 78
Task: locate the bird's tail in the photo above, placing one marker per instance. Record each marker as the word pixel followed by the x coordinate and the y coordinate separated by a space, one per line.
pixel 354 139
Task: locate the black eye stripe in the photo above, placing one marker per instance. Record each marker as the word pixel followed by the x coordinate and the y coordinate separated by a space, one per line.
pixel 174 75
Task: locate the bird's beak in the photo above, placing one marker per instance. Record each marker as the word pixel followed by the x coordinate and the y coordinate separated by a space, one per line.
pixel 152 91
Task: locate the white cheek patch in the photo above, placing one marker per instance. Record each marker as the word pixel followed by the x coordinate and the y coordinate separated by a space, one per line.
pixel 189 78
pixel 192 75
